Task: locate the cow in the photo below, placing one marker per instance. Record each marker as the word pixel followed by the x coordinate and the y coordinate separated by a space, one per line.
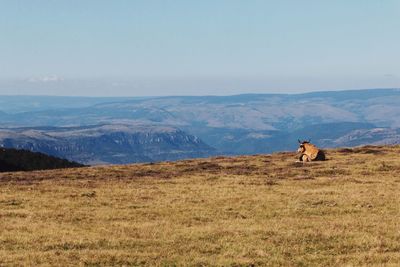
pixel 309 152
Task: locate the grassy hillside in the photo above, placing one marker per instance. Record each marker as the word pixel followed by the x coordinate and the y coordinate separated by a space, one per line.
pixel 262 210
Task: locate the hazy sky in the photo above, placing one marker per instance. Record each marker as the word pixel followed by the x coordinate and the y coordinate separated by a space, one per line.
pixel 190 47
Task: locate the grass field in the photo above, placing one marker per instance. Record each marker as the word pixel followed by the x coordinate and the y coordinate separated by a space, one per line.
pixel 263 210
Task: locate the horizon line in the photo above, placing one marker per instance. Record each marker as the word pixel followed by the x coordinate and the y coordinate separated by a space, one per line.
pixel 208 95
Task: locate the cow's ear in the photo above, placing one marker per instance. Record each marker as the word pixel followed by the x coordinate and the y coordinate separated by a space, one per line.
pixel 299 141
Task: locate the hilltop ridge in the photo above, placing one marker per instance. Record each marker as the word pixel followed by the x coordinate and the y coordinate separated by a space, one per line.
pixel 24 160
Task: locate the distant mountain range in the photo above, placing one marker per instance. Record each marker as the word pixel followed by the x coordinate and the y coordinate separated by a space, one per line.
pixel 198 125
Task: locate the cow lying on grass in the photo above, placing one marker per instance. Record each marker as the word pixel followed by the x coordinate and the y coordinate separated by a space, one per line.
pixel 309 152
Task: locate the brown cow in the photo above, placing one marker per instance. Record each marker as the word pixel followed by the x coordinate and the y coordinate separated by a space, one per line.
pixel 309 152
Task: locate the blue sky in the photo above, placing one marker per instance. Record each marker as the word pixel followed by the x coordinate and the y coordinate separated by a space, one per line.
pixel 136 48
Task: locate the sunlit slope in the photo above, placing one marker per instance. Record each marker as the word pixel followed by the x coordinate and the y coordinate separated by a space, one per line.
pixel 261 210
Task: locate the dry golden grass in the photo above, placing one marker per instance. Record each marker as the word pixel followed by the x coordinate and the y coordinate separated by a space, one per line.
pixel 261 210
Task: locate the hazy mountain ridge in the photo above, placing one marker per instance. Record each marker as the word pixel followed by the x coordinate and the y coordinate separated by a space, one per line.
pixel 24 103
pixel 257 112
pixel 375 136
pixel 239 124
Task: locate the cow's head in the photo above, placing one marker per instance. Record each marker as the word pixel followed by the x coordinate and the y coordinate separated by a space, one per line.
pixel 302 146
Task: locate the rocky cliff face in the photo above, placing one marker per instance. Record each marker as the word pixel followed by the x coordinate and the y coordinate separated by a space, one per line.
pixel 108 144
pixel 376 136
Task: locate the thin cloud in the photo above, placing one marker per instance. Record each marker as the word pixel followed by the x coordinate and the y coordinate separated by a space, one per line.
pixel 46 79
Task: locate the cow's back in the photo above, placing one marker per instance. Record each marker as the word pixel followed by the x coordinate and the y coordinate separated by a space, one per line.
pixel 311 151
